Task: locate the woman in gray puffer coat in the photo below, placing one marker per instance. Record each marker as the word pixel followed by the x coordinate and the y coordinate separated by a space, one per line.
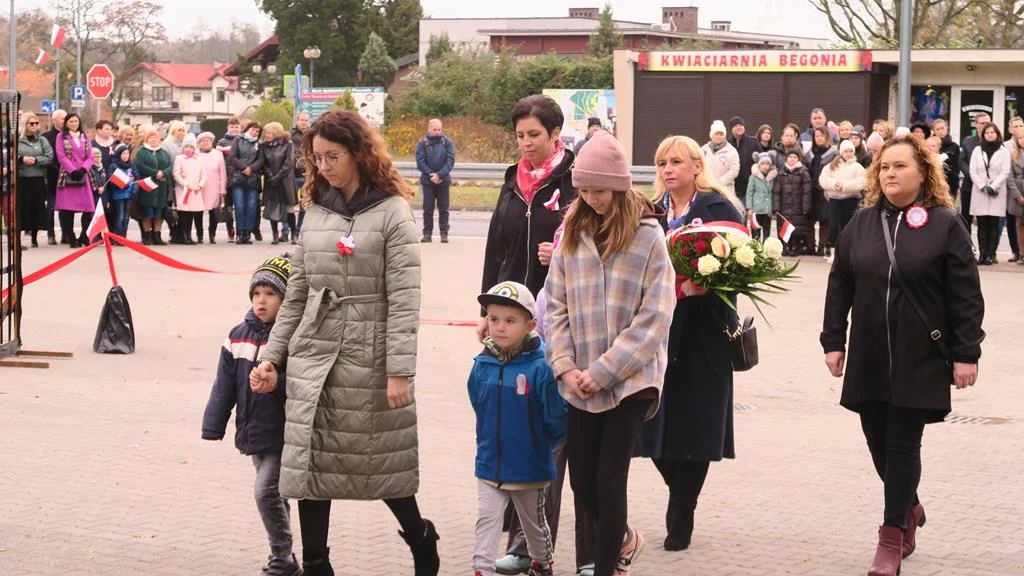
pixel 346 338
pixel 278 165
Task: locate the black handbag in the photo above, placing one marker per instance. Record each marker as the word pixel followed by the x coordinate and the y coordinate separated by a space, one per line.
pixel 170 215
pixel 743 345
pixel 70 180
pixel 933 332
pixel 224 214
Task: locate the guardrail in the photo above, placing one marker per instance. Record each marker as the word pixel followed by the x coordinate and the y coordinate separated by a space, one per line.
pixel 642 175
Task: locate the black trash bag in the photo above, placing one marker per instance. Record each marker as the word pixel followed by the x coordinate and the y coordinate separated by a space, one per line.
pixel 115 333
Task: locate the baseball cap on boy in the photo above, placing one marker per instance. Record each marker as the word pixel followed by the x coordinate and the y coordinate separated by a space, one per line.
pixel 510 294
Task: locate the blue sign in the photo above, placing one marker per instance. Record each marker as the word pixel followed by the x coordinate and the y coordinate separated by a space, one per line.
pixel 78 95
pixel 48 106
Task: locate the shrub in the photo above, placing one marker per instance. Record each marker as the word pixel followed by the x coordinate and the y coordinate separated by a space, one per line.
pixel 271 111
pixel 475 141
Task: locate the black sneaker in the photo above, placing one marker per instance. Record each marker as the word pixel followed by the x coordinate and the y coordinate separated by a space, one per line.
pixel 444 238
pixel 426 239
pixel 282 567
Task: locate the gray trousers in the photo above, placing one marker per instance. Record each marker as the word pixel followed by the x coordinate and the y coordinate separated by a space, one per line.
pixel 530 506
pixel 586 530
pixel 274 510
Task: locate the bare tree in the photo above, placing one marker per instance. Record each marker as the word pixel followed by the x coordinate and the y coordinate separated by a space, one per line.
pixel 875 23
pixel 130 27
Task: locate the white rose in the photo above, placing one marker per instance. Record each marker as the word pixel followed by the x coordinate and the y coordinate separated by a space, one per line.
pixel 708 265
pixel 773 248
pixel 745 256
pixel 737 240
pixel 720 248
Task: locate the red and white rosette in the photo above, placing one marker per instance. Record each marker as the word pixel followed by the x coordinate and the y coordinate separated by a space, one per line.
pixel 346 246
pixel 917 216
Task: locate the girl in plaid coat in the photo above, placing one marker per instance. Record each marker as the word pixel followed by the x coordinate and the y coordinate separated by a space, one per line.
pixel 610 297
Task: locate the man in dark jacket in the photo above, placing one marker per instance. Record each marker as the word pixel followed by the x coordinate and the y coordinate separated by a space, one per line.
pixel 56 125
pixel 818 120
pixel 298 131
pixel 224 145
pixel 747 146
pixel 966 149
pixel 940 129
pixel 593 125
pixel 435 158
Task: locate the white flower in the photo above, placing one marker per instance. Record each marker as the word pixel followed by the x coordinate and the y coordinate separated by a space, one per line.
pixel 708 265
pixel 773 248
pixel 737 240
pixel 745 256
pixel 720 248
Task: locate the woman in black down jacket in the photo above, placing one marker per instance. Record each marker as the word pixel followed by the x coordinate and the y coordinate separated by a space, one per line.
pixel 900 381
pixel 821 153
pixel 277 156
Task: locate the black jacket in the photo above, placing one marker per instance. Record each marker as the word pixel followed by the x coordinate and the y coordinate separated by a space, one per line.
pixel 695 419
pixel 952 164
pixel 277 162
pixel 259 418
pixel 300 162
pixel 791 196
pixel 891 356
pixel 244 154
pixel 53 169
pixel 746 147
pixel 517 230
pixel 966 149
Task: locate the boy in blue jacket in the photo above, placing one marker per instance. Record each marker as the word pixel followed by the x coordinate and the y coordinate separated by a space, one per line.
pixel 259 418
pixel 520 416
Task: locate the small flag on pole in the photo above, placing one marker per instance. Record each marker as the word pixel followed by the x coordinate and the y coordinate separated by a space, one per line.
pixel 57 36
pixel 753 223
pixel 120 178
pixel 99 222
pixel 148 184
pixel 224 149
pixel 786 229
pixel 43 57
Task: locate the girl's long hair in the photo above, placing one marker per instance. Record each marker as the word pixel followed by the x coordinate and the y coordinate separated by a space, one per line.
pixel 618 226
pixel 368 150
pixel 705 181
pixel 936 188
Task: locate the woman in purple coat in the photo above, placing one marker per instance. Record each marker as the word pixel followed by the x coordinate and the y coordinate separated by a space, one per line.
pixel 74 181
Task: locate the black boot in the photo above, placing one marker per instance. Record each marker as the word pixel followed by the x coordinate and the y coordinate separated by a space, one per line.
pixel 146 238
pixel 295 236
pixel 679 522
pixel 276 238
pixel 256 234
pixel 157 240
pixel 316 564
pixel 424 550
pixel 213 236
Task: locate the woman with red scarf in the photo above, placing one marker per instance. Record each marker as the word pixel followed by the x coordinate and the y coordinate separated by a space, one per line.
pixel 531 206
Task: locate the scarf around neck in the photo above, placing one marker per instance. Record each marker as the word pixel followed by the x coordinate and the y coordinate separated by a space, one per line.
pixel 530 179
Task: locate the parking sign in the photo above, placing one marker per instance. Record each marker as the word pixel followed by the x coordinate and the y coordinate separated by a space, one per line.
pixel 78 96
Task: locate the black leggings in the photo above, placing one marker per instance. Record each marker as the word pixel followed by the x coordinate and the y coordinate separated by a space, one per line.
pixel 988 236
pixel 600 447
pixel 685 480
pixel 894 439
pixel 291 223
pixel 315 519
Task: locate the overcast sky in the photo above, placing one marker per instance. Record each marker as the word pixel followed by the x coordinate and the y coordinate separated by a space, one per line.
pixel 794 17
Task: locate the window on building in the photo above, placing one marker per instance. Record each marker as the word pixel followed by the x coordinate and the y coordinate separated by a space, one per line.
pixel 197 96
pixel 160 93
pixel 222 94
pixel 929 103
pixel 1014 99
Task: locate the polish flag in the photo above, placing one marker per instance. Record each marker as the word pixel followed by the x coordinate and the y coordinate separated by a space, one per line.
pixel 99 222
pixel 786 230
pixel 43 57
pixel 224 149
pixel 57 36
pixel 120 178
pixel 752 222
pixel 148 184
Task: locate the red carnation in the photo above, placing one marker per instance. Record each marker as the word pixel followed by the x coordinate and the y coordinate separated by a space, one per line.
pixel 693 264
pixel 685 250
pixel 702 247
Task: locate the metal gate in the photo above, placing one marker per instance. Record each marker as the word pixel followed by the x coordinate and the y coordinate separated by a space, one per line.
pixel 10 239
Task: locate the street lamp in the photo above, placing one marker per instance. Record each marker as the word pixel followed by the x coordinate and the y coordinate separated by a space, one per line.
pixel 311 54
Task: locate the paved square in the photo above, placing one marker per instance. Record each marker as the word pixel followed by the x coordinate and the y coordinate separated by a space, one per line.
pixel 104 473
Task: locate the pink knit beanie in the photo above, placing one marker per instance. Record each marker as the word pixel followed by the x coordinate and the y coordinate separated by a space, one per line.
pixel 874 142
pixel 602 165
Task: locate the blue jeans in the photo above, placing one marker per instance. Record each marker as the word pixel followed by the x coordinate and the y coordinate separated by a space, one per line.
pixel 245 207
pixel 431 193
pixel 119 216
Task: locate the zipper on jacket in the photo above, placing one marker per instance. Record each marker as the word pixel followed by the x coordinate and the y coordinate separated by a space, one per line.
pixel 501 379
pixel 888 288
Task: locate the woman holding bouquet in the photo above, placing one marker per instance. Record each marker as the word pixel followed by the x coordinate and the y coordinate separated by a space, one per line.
pixel 694 425
pixel 900 382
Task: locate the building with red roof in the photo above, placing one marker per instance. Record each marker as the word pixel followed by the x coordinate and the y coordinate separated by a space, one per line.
pixel 161 92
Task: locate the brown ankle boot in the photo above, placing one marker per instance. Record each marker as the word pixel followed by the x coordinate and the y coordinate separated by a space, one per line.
pixel 889 552
pixel 915 519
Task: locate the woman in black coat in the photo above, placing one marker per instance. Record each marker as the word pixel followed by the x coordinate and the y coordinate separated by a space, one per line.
pixel 901 366
pixel 821 153
pixel 694 424
pixel 277 161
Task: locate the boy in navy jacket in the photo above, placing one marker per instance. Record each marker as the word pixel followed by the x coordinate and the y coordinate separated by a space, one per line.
pixel 520 416
pixel 259 418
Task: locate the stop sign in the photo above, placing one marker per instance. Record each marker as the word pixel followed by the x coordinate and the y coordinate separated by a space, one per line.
pixel 99 81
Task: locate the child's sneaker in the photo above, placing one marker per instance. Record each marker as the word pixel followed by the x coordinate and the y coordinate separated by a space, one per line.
pixel 630 552
pixel 538 569
pixel 512 564
pixel 282 567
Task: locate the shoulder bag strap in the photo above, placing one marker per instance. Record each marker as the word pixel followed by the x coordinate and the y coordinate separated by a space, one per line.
pixel 934 333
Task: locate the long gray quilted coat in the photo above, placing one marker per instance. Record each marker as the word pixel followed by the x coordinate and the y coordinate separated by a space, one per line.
pixel 346 324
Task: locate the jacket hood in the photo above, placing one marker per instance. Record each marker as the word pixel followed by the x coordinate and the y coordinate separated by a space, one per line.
pixel 652 210
pixel 253 321
pixel 492 353
pixel 332 199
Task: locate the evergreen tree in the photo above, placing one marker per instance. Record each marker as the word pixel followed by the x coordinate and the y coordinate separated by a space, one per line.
pixel 376 68
pixel 345 102
pixel 606 39
pixel 440 46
